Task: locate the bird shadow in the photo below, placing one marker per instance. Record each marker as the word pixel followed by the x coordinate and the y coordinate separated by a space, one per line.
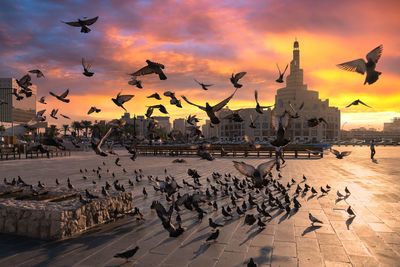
pixel 293 212
pixel 321 196
pixel 284 217
pixel 202 249
pixel 251 235
pixel 311 197
pixel 310 229
pixel 342 198
pixel 349 221
pixel 201 237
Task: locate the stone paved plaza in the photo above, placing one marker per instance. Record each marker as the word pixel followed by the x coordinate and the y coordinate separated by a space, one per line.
pixel 372 238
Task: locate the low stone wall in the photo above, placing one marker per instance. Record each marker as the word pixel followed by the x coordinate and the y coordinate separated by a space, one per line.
pixel 59 220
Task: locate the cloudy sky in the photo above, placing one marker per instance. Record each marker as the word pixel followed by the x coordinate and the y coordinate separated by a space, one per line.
pixel 206 40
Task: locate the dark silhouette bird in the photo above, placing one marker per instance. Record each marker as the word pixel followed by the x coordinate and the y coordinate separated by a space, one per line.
pixel 295 114
pixel 347 191
pixel 17 95
pixel 252 121
pixel 83 24
pixel 155 95
pixel 93 109
pixel 127 254
pixel 339 195
pixel 38 73
pixel 338 154
pixel 144 192
pixel 260 224
pixel 257 174
pixel 152 67
pixel 259 108
pixel 160 107
pixel 313 122
pixel 251 263
pixel 104 192
pixel 42 100
pixel 121 99
pixel 210 110
pixel 65 116
pixel 53 113
pixel 356 102
pixel 61 97
pixel 250 219
pixel 192 120
pixel 235 79
pixel 135 82
pixel 213 236
pixel 86 68
pixel 313 219
pixel 203 85
pixel 280 123
pixel 89 195
pixel 281 74
pixel 117 162
pixel 361 66
pixel 350 211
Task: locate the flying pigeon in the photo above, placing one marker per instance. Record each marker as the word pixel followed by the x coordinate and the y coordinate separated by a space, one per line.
pixel 135 82
pixel 93 109
pixel 361 66
pixel 203 85
pixel 152 67
pixel 83 24
pixel 86 68
pixel 281 74
pixel 340 155
pixel 155 95
pixel 356 102
pixel 42 100
pixel 61 97
pixel 210 110
pixel 259 108
pixel 257 174
pixel 121 99
pixel 37 72
pixel 235 79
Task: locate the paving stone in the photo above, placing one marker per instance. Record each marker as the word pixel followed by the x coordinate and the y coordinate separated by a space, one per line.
pixel 363 261
pixel 262 240
pixel 284 261
pixel 334 253
pixel 284 249
pixel 355 248
pixel 337 264
pixel 328 239
pixel 230 259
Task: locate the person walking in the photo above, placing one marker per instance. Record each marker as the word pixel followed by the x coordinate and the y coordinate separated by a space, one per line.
pixel 372 148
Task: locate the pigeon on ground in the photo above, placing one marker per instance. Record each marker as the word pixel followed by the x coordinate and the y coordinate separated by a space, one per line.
pixel 210 110
pixel 121 99
pixel 235 79
pixel 61 97
pixel 213 236
pixel 213 224
pixel 203 85
pixel 361 66
pixel 281 74
pixel 127 254
pixel 86 68
pixel 350 212
pixel 313 219
pixel 152 67
pixel 251 263
pixel 83 24
pixel 356 102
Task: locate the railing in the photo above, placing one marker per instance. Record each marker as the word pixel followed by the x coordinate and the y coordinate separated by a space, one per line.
pixel 293 151
pixel 15 152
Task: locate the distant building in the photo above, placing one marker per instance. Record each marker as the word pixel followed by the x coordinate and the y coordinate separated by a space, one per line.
pixel 142 123
pixel 179 125
pixel 163 123
pixel 364 134
pixel 393 126
pixel 16 111
pixel 296 93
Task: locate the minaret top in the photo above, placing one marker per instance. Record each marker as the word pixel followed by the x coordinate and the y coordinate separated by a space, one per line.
pixel 296 44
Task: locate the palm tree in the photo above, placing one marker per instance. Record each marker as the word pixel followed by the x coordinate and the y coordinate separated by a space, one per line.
pixel 86 125
pixel 65 128
pixel 52 131
pixel 76 125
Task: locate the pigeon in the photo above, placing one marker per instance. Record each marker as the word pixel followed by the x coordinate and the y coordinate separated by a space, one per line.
pixel 117 162
pixel 251 263
pixel 192 120
pixel 144 192
pixel 280 123
pixel 257 174
pixel 93 109
pixel 361 66
pixel 356 102
pixel 54 113
pixel 234 116
pixel 83 24
pixel 203 85
pixel 350 212
pixel 135 82
pixel 213 224
pixel 86 68
pixel 249 219
pixel 127 254
pixel 339 195
pixel 61 97
pixel 347 191
pixel 259 108
pixel 65 116
pixel 235 79
pixel 313 122
pixel 42 100
pixel 152 67
pixel 296 113
pixel 281 74
pixel 17 96
pixel 121 99
pixel 261 224
pixel 252 125
pixel 104 192
pixel 160 107
pixel 39 115
pixel 210 110
pixel 313 219
pixel 155 95
pixel 340 155
pixel 213 236
pixel 38 73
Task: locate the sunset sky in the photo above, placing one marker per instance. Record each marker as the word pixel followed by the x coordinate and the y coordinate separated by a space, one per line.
pixel 206 40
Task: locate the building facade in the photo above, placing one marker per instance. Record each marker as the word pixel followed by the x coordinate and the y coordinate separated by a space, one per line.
pixel 393 126
pixel 141 123
pixel 296 93
pixel 16 111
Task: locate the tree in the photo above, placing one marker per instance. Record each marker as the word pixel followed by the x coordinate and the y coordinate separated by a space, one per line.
pixel 86 125
pixel 76 125
pixel 65 128
pixel 52 131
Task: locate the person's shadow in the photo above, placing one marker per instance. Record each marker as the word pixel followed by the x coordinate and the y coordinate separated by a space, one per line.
pixel 375 161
